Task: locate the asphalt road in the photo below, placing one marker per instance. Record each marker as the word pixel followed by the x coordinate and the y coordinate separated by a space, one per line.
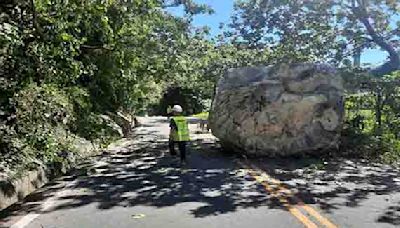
pixel 136 183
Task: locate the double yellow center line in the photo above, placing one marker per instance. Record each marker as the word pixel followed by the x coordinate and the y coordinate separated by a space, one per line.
pixel 277 190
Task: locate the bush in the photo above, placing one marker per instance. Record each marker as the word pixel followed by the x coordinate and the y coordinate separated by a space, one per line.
pixel 38 130
pixel 97 129
pixel 43 116
pixel 14 151
pixel 391 149
pixel 89 125
pixel 44 125
pixel 372 117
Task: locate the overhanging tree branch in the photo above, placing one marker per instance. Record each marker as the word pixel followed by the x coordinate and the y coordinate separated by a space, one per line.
pixel 394 58
pixel 380 41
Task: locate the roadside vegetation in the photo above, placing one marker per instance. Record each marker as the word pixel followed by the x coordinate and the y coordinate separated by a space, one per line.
pixel 68 69
pixel 372 128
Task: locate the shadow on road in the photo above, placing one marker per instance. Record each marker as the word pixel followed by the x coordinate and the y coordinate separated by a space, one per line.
pixel 143 174
pixel 150 177
pixel 352 182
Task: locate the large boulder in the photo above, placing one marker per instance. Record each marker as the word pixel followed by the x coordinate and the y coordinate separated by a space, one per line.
pixel 280 110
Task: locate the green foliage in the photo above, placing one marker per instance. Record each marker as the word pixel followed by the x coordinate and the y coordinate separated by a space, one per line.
pixel 65 64
pixel 88 124
pixel 198 66
pixel 391 154
pixel 372 125
pixel 202 115
pixel 44 104
pixel 13 150
pixel 334 30
pixel 38 130
pixel 43 114
pixel 190 100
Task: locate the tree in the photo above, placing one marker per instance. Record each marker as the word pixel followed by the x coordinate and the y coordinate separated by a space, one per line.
pixel 198 66
pixel 91 57
pixel 333 30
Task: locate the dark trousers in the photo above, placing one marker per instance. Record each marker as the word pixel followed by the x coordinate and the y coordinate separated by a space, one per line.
pixel 181 146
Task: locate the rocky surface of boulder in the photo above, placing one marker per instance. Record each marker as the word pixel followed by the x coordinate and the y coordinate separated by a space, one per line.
pixel 279 110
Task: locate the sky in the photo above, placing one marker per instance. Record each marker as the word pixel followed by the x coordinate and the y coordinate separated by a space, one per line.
pixel 224 9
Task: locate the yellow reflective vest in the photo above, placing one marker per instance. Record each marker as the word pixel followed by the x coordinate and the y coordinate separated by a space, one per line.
pixel 182 132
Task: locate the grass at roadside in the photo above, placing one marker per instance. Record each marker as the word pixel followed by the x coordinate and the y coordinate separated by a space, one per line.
pixel 202 115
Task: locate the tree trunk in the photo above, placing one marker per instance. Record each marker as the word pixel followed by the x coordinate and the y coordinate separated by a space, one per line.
pixel 357 58
pixel 394 59
pixel 378 110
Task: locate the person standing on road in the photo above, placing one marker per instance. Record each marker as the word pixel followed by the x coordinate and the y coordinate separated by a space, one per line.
pixel 179 133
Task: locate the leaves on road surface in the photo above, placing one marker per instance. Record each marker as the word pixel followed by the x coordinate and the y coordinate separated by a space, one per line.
pixel 163 170
pixel 138 216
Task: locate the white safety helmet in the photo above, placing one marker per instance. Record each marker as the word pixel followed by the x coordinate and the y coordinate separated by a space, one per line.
pixel 177 108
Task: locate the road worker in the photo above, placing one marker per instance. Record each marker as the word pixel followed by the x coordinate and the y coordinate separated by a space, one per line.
pixel 179 133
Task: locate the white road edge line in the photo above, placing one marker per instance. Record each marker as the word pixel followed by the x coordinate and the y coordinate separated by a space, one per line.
pixel 47 204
